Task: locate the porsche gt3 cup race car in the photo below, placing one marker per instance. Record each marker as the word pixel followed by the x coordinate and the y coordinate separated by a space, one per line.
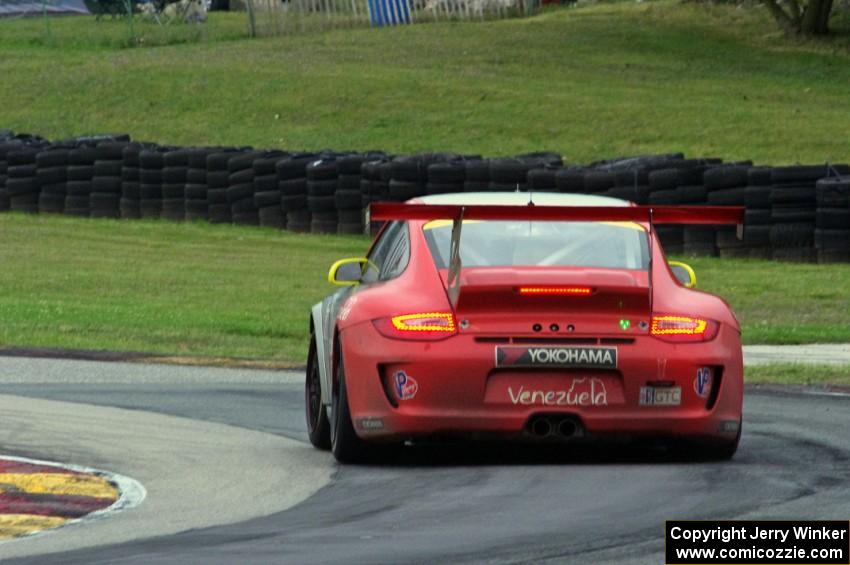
pixel 487 315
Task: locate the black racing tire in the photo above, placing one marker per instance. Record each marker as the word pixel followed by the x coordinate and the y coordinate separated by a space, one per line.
pixel 349 228
pixel 442 188
pixel 476 186
pixel 290 203
pixel 272 217
pixel 542 179
pixel 793 235
pixel 217 196
pixel 218 179
pixel 833 192
pixel 293 187
pixel 757 217
pixel 783 214
pixel 509 171
pixel 265 183
pixel 400 190
pixel 196 176
pixel 196 191
pixel 833 218
pixel 239 192
pixel 243 176
pixel 318 426
pixel 805 173
pixel 50 175
pixel 171 175
pixel 727 197
pixel 832 239
pixel 321 188
pixel 350 216
pixel 52 158
pixel 244 206
pixel 349 182
pixel 693 194
pixel 106 184
pixel 108 168
pixel 599 181
pixel 451 172
pixel 267 198
pixel 793 195
pixel 570 181
pixel 346 445
pixel 757 196
pixel 347 199
pixel 725 177
pixel 322 169
pixel 758 176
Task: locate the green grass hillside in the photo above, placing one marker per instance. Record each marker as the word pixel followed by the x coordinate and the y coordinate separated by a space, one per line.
pixel 230 291
pixel 591 82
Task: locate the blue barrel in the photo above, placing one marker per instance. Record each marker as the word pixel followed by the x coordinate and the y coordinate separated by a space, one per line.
pixel 389 12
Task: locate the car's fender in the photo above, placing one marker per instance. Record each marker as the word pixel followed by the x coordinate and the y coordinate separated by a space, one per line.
pixel 323 321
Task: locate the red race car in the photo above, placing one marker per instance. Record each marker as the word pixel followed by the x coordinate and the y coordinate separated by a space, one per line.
pixel 492 315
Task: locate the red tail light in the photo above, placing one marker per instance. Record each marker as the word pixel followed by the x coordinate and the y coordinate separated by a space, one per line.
pixel 556 290
pixel 429 326
pixel 683 328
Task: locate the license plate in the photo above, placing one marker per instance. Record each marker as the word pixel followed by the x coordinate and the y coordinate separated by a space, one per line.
pixel 561 357
pixel 654 396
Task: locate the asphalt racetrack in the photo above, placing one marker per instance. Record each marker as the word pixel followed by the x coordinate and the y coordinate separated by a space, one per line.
pixel 230 479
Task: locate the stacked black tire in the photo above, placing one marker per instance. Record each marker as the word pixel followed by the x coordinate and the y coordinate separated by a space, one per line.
pixel 79 184
pixel 726 186
pixel 322 183
pixel 758 213
pixel 130 203
pixel 240 189
pixel 267 195
pixel 151 161
pixel 375 175
pixel 679 183
pixel 197 204
pixel 446 176
pixel 832 220
pixel 107 183
pixel 793 202
pixel 52 171
pixel 21 181
pixel 175 167
pixel 292 181
pixel 408 177
pixel 218 180
pixel 348 198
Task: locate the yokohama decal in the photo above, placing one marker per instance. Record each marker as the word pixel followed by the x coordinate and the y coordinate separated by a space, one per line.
pixel 574 357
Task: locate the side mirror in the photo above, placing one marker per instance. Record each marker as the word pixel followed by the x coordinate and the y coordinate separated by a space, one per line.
pixel 683 273
pixel 347 272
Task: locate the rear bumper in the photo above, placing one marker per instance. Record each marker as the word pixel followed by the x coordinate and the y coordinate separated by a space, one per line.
pixel 451 389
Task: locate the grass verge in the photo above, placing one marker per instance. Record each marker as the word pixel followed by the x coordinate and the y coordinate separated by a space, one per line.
pixel 237 292
pixel 798 374
pixel 590 82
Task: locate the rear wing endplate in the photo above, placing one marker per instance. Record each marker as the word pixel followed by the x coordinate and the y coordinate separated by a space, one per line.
pixel 652 215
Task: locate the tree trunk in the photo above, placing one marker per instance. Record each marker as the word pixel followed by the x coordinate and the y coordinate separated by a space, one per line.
pixel 815 19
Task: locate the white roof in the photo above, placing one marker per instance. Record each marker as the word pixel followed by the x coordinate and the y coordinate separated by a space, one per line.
pixel 521 199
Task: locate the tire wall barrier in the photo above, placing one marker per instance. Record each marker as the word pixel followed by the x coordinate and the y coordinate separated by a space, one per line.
pixel 795 213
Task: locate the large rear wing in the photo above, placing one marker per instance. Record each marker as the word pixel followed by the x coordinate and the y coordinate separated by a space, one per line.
pixel 651 215
pixel 693 215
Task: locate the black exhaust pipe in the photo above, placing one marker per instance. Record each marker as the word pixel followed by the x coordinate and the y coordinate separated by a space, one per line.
pixel 541 427
pixel 567 428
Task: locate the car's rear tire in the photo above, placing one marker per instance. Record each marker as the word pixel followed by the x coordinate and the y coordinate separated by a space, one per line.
pixel 318 426
pixel 346 446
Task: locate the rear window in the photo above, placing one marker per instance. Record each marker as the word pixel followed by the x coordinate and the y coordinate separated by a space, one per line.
pixel 614 245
